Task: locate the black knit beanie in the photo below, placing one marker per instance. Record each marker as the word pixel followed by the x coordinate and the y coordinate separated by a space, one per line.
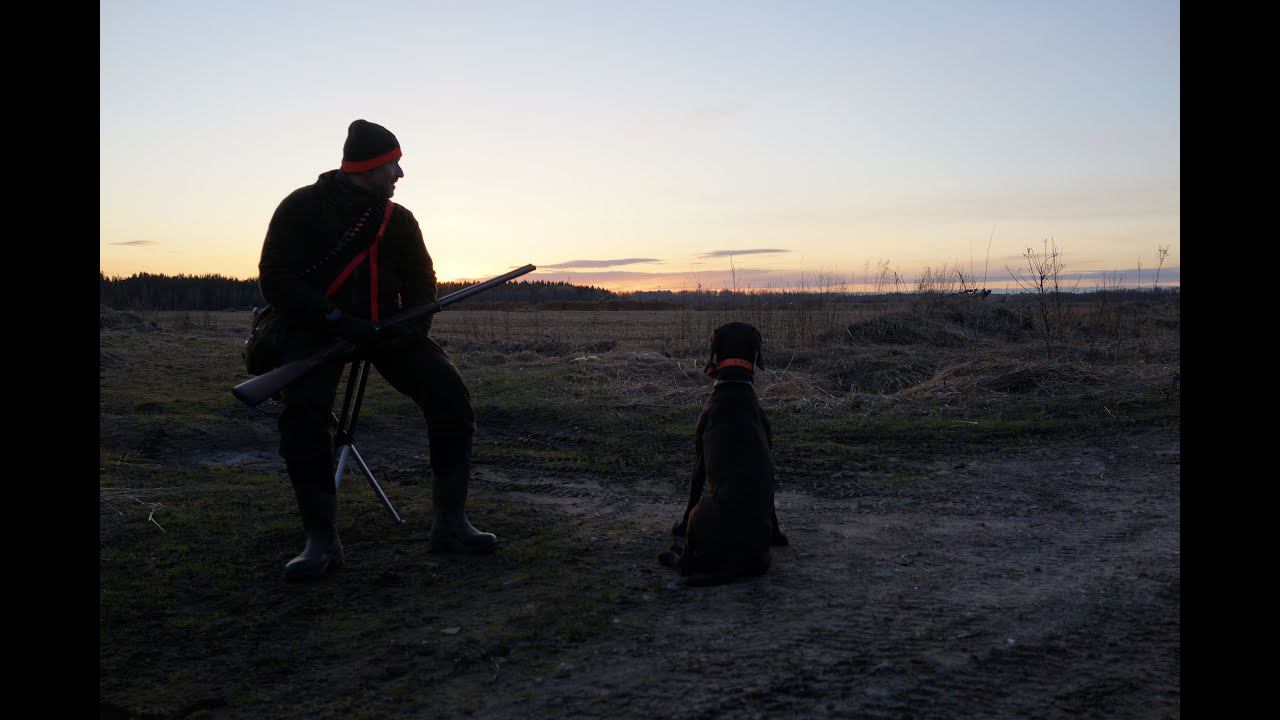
pixel 368 145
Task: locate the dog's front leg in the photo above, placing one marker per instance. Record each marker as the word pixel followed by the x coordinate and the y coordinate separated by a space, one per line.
pixel 696 481
pixel 695 494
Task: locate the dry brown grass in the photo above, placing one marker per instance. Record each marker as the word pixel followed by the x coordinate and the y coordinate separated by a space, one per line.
pixel 918 349
pixel 1010 375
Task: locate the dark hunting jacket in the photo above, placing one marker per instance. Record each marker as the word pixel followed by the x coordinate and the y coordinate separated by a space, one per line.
pixel 315 234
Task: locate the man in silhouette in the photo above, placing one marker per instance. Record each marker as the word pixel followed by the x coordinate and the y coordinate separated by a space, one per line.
pixel 340 256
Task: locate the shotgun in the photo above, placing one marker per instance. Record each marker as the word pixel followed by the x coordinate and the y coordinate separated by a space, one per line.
pixel 253 391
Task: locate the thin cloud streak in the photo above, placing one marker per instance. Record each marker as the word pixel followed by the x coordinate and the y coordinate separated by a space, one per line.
pixel 728 253
pixel 600 263
pixel 761 279
pixel 1129 276
pixel 136 243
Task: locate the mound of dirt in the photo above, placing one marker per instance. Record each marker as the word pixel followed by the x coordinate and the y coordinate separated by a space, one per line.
pixel 789 385
pixel 945 324
pixel 1010 323
pixel 879 375
pixel 905 329
pixel 112 319
pixel 1009 376
pixel 809 371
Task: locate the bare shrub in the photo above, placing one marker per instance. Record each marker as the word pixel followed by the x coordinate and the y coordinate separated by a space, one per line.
pixel 1162 251
pixel 941 281
pixel 1041 279
pixel 885 278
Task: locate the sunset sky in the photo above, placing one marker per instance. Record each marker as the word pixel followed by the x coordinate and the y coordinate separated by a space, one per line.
pixel 645 145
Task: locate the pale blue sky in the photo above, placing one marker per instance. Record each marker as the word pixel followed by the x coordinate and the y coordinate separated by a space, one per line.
pixel 548 132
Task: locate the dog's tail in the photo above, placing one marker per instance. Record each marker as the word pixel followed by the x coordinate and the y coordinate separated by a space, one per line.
pixel 669 557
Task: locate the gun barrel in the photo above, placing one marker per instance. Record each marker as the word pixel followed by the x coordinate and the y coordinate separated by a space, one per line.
pixel 253 391
pixel 453 297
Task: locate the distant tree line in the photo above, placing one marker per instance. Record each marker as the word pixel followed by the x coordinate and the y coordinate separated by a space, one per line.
pixel 147 291
pixel 530 292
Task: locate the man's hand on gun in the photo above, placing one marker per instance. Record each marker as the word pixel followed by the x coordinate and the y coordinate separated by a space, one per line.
pixel 366 336
pixel 355 330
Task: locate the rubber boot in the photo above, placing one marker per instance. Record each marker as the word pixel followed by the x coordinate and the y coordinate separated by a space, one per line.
pixel 450 530
pixel 318 503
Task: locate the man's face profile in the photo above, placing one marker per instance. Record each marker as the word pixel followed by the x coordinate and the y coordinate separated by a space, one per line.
pixel 382 179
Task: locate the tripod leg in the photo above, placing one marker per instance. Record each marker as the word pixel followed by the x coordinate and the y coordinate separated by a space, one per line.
pixel 345 424
pixel 373 483
pixel 342 466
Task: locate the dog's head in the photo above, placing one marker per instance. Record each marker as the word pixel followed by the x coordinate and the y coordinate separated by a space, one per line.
pixel 735 344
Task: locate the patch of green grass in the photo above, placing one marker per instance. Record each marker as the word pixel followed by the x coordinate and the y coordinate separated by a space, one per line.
pixel 121 470
pixel 853 435
pixel 208 367
pixel 208 586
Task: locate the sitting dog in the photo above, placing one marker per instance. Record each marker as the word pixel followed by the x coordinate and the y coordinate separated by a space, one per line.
pixel 728 532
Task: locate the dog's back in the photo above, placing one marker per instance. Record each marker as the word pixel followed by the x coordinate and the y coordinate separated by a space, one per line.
pixel 730 530
pixel 736 450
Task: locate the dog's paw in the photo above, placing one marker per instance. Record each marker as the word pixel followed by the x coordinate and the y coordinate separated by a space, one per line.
pixel 779 539
pixel 669 558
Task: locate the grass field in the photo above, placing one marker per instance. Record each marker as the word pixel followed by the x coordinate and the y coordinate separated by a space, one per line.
pixel 983 517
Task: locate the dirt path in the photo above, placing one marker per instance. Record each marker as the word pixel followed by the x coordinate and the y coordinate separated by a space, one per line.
pixel 1034 585
pixel 1039 583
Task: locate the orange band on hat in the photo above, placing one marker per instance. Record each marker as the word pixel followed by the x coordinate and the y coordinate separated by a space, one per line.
pixel 354 166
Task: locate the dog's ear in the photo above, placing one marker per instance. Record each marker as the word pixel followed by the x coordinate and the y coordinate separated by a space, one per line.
pixel 710 367
pixel 759 351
